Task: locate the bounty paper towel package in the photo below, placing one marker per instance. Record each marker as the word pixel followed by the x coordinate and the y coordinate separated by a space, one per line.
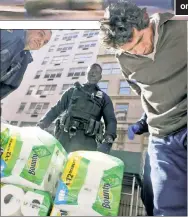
pixel 20 201
pixel 90 185
pixel 31 157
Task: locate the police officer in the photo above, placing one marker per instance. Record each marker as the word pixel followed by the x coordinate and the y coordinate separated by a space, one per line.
pixel 82 107
pixel 15 56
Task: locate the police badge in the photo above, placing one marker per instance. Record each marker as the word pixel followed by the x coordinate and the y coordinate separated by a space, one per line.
pixel 99 94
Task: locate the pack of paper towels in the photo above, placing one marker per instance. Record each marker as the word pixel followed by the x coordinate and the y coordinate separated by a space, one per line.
pixel 31 157
pixel 18 201
pixel 90 185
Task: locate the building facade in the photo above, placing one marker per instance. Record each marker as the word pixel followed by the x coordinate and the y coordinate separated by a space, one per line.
pixel 63 61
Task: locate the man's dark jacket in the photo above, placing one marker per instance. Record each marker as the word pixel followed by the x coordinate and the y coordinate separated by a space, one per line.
pixel 14 60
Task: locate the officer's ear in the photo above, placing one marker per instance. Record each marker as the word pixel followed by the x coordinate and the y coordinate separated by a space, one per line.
pixel 100 76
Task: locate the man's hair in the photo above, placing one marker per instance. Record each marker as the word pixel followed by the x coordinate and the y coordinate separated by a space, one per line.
pixel 95 65
pixel 117 25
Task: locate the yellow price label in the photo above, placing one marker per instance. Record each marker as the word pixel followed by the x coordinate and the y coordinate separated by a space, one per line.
pixel 8 153
pixel 71 169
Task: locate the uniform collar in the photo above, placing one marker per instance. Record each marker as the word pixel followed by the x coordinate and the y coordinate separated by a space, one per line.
pixel 92 86
pixel 21 35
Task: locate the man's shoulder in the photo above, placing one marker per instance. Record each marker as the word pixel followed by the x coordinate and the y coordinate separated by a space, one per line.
pixel 12 34
pixel 13 40
pixel 104 95
pixel 162 18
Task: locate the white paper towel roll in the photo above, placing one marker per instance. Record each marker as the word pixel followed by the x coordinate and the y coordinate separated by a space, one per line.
pixel 31 204
pixel 11 197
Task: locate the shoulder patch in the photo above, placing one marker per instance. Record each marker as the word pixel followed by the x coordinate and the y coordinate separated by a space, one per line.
pixel 99 94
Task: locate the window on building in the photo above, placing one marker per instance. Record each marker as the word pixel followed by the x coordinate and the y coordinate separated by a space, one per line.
pixel 38 74
pixel 15 123
pixel 46 89
pixel 64 48
pixel 124 88
pixel 27 124
pixel 103 86
pixel 56 37
pixel 77 72
pixel 38 108
pixel 52 48
pixel 22 107
pixel 70 36
pixel 121 112
pixel 90 33
pixel 53 73
pixel 66 87
pixel 46 59
pixel 57 60
pixel 30 90
pixel 81 58
pixel 111 68
pixel 87 45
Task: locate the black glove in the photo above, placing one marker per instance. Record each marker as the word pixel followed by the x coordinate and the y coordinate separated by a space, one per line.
pixel 142 127
pixel 106 145
pixel 41 125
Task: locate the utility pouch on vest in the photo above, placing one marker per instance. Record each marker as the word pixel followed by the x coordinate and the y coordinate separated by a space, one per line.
pixel 96 129
pixel 100 135
pixel 57 128
pixel 62 121
pixel 67 124
pixel 90 129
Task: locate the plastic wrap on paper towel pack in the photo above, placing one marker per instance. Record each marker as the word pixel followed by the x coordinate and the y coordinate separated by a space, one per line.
pixel 22 201
pixel 31 157
pixel 90 185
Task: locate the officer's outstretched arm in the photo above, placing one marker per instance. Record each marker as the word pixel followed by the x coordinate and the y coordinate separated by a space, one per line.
pixel 109 118
pixel 56 110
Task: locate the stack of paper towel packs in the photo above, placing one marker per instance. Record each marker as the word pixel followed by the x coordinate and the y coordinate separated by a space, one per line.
pixel 22 201
pixel 36 169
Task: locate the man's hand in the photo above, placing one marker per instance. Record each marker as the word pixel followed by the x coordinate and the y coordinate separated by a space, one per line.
pixel 106 145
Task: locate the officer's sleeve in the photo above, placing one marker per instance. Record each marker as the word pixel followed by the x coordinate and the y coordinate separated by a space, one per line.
pixel 109 117
pixel 57 109
pixel 136 89
pixel 4 42
pixel 3 38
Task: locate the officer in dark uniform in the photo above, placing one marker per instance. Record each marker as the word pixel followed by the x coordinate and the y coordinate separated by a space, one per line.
pixel 83 106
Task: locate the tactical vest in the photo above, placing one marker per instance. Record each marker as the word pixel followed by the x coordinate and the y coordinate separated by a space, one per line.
pixel 84 105
pixel 84 112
